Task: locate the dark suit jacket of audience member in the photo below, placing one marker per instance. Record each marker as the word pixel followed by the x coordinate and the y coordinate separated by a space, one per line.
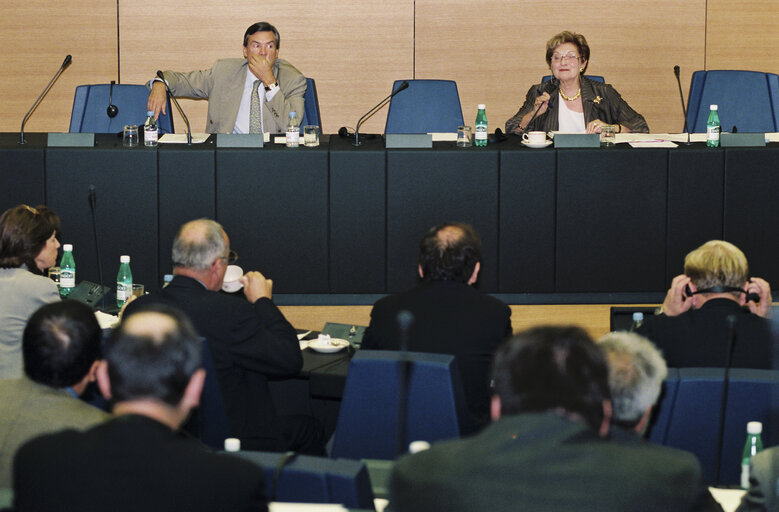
pixel 545 462
pixel 249 343
pixel 132 463
pixel 449 318
pixel 699 337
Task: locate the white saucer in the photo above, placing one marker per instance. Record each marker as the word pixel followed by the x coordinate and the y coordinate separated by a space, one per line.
pixel 536 146
pixel 335 345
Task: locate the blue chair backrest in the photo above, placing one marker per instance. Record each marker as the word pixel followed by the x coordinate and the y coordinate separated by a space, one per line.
pixel 661 416
pixel 209 422
pixel 427 106
pixel 311 107
pixel 308 479
pixel 594 78
pixel 694 421
pixel 368 418
pixel 91 101
pixel 746 99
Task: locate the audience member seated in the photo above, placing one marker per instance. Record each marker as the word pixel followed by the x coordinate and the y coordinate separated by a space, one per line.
pixel 137 461
pixel 763 492
pixel 546 448
pixel 250 340
pixel 693 329
pixel 636 374
pixel 28 247
pixel 61 347
pixel 450 316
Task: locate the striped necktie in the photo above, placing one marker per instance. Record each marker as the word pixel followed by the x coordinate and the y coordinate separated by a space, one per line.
pixel 255 112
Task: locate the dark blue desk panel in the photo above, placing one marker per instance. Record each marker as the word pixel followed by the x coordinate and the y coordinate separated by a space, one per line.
pixel 22 170
pixel 125 182
pixel 273 203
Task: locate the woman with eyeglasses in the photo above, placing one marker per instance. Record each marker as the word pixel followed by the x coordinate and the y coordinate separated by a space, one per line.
pixel 28 247
pixel 571 102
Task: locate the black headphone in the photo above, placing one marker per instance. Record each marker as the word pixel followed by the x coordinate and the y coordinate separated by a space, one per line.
pixel 722 289
pixel 112 109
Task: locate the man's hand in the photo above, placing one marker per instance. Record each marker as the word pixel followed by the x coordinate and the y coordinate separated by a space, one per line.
pixel 255 286
pixel 762 289
pixel 158 100
pixel 262 68
pixel 675 303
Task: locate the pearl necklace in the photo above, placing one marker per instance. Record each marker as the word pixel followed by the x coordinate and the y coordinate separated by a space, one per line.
pixel 578 93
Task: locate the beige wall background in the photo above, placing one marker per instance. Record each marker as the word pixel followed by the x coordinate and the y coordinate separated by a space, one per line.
pixel 355 49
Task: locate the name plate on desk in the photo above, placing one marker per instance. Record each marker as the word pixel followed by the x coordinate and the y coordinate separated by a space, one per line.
pixel 409 140
pixel 239 140
pixel 71 140
pixel 576 140
pixel 741 140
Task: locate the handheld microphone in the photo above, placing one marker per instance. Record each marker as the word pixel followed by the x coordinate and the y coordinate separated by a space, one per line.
pixel 548 87
pixel 167 89
pixel 684 109
pixel 403 86
pixel 65 63
pixel 112 109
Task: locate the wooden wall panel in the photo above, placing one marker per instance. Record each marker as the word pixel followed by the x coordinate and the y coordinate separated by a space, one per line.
pixel 495 49
pixel 743 35
pixel 35 36
pixel 354 49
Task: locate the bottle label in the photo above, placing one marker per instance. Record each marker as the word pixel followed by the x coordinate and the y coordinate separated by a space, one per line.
pixel 150 136
pixel 293 137
pixel 123 291
pixel 745 474
pixel 67 278
pixel 712 132
pixel 481 132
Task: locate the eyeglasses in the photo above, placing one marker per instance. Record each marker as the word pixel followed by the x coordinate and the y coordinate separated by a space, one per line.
pixel 565 58
pixel 256 45
pixel 231 257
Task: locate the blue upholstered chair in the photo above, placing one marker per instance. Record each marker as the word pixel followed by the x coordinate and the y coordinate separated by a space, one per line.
pixel 594 78
pixel 91 101
pixel 311 108
pixel 427 106
pixel 694 417
pixel 307 479
pixel 661 416
pixel 748 100
pixel 368 418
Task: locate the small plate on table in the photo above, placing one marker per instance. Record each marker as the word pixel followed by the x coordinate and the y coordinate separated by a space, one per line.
pixel 335 345
pixel 536 146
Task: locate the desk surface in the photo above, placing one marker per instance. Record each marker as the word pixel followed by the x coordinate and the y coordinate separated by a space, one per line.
pixel 341 225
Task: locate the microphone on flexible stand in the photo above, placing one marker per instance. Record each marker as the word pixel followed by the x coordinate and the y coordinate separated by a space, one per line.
pixel 92 196
pixel 684 109
pixel 549 87
pixel 167 89
pixel 731 323
pixel 403 86
pixel 405 318
pixel 65 63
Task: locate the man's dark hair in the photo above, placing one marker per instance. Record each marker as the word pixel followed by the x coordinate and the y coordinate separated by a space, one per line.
pixel 449 252
pixel 262 26
pixel 552 369
pixel 153 367
pixel 60 342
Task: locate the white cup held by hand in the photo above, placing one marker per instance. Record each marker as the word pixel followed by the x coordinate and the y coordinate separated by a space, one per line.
pixel 232 278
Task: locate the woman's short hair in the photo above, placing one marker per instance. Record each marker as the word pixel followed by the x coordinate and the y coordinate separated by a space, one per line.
pixel 24 231
pixel 717 263
pixel 566 36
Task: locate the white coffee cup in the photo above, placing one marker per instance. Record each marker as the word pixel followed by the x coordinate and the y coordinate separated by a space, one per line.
pixel 231 283
pixel 534 137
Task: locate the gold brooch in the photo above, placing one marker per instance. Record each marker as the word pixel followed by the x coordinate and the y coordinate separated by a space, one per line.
pixel 597 100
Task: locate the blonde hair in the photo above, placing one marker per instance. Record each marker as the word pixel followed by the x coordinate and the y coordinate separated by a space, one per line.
pixel 717 263
pixel 567 36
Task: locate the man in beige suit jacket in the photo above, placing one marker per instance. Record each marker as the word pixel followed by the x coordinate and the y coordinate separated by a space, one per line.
pixel 61 347
pixel 228 86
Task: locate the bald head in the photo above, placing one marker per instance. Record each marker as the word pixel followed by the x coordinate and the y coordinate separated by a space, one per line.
pixel 198 243
pixel 153 325
pixel 450 252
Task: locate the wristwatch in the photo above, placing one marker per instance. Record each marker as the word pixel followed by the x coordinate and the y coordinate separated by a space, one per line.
pixel 269 88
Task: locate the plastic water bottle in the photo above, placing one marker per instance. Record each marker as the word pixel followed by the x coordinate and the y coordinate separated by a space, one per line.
pixel 293 130
pixel 713 127
pixel 753 446
pixel 638 320
pixel 67 271
pixel 150 132
pixel 480 137
pixel 124 281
